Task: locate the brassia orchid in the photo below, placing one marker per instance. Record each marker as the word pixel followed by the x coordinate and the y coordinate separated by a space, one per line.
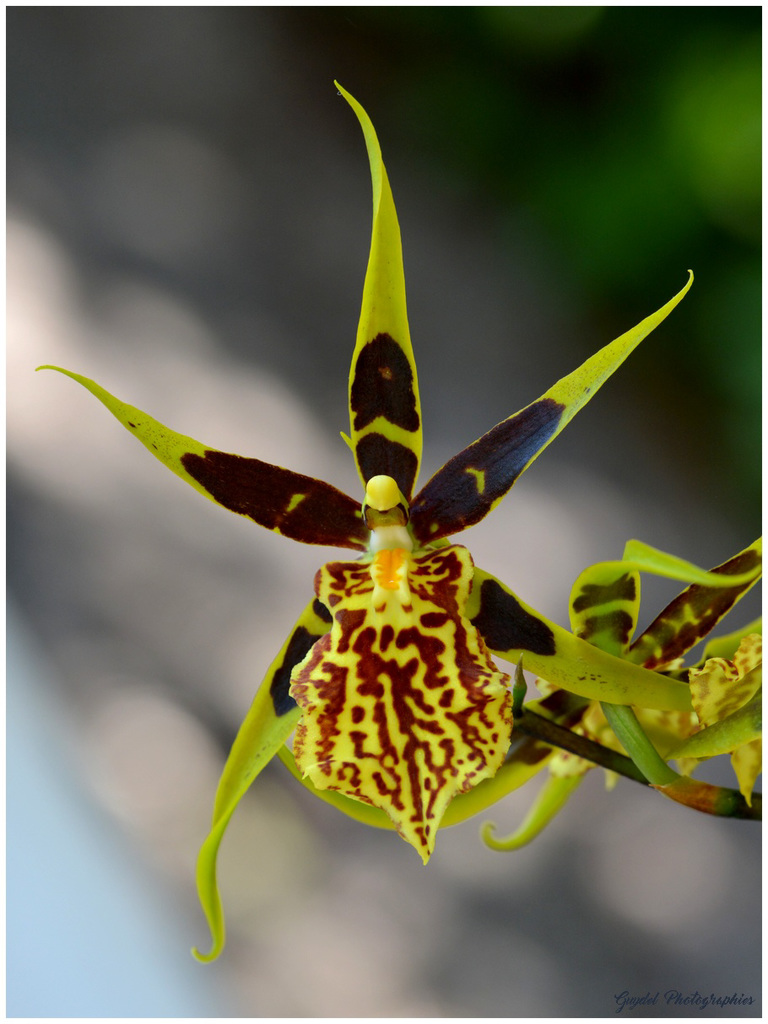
pixel 724 685
pixel 400 715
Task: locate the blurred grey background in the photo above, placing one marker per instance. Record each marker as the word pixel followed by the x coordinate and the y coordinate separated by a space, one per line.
pixel 188 223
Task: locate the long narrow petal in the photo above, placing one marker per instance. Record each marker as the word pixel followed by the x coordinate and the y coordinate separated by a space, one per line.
pixel 605 599
pixel 385 414
pixel 511 629
pixel 272 717
pixel 696 611
pixel 472 483
pixel 291 504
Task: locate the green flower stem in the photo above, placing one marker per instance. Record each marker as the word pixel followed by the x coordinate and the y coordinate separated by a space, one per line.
pixel 700 796
pixel 630 734
pixel 540 728
pixel 718 800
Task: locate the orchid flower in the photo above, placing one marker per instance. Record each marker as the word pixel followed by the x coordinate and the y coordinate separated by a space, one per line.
pixel 725 713
pixel 400 714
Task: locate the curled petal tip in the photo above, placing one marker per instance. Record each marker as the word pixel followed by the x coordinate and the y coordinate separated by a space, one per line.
pixel 206 958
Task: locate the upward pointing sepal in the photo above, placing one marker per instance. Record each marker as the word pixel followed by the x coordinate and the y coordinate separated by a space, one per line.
pixel 384 407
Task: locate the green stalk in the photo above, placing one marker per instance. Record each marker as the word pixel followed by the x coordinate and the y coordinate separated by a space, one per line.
pixel 630 734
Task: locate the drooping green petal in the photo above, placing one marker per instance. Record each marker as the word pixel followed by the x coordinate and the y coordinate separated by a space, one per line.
pixel 291 504
pixel 510 629
pixel 270 721
pixel 384 409
pixel 553 796
pixel 696 611
pixel 403 708
pixel 472 483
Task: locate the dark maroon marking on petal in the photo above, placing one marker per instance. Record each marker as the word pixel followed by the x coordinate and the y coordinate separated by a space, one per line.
pixel 378 455
pixel 591 594
pixel 321 611
pixel 299 646
pixel 350 622
pixel 387 636
pixel 619 624
pixel 264 493
pixel 358 714
pixel 434 620
pixel 382 385
pixel 674 633
pixel 506 626
pixel 452 500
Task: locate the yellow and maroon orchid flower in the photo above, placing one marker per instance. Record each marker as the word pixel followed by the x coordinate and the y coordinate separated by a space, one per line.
pixel 401 717
pixel 724 686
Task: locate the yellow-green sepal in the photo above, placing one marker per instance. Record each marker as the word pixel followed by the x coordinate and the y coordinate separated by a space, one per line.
pixel 512 629
pixel 575 390
pixel 645 558
pixel 472 483
pixel 604 605
pixel 605 599
pixel 384 407
pixel 294 505
pixel 260 737
pixel 690 616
